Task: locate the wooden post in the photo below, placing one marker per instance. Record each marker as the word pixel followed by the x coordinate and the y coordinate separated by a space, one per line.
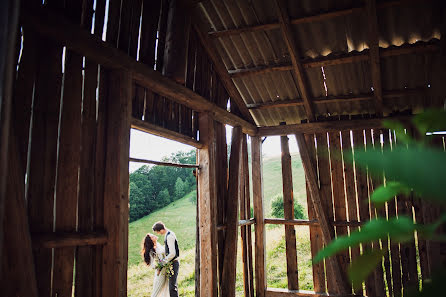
pixel 206 207
pixel 288 208
pixel 229 265
pixel 9 15
pixel 257 192
pixel 116 191
pixel 327 232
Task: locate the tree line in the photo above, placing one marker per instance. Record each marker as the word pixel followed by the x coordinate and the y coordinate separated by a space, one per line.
pixel 154 187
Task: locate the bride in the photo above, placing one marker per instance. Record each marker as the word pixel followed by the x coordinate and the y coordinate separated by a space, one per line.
pixel 153 252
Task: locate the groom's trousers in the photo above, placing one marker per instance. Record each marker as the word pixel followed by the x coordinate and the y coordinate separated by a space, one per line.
pixel 173 284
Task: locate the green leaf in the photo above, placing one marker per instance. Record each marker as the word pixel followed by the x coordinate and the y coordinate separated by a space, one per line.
pixel 363 265
pixel 400 229
pixel 384 193
pixel 399 129
pixel 420 167
pixel 430 121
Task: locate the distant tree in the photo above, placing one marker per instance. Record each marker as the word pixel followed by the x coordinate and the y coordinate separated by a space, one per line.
pixel 180 189
pixel 277 208
pixel 137 205
pixel 164 197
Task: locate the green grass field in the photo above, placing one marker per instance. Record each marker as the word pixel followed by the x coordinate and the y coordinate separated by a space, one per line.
pixel 180 217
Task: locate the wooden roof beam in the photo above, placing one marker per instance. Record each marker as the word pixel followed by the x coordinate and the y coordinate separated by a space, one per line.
pixel 375 66
pixel 327 126
pixel 298 69
pixel 337 99
pixel 222 72
pixel 305 20
pixel 82 42
pixel 420 47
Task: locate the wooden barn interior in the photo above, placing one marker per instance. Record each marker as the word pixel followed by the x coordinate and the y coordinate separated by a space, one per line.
pixel 76 76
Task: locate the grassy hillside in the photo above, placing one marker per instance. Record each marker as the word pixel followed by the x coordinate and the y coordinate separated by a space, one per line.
pixel 180 217
pixel 272 180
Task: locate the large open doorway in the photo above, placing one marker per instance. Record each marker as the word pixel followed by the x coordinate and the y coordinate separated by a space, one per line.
pixel 162 187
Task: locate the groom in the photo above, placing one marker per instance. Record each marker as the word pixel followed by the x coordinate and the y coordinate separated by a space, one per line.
pixel 172 254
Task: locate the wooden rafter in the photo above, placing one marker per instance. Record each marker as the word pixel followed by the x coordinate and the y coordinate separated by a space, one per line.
pixel 336 99
pixel 81 41
pixel 329 126
pixel 298 69
pixel 304 20
pixel 420 47
pixel 222 72
pixel 375 67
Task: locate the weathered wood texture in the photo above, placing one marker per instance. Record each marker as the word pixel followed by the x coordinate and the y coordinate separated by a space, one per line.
pixel 222 191
pixel 315 232
pixel 207 207
pixel 245 222
pixel 9 22
pixel 114 269
pixel 234 184
pixel 288 210
pixel 257 190
pixel 299 72
pixel 334 267
pixel 106 54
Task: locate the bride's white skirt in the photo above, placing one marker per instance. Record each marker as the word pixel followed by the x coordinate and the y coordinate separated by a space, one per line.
pixel 161 285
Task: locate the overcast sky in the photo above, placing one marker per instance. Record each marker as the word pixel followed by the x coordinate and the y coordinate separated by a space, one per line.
pixel 146 146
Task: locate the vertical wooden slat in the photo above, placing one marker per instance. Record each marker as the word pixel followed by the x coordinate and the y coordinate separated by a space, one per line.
pixel 207 207
pixel 68 160
pixel 17 269
pixel 394 248
pixel 114 269
pixel 315 231
pixel 138 97
pixel 99 175
pixel 86 268
pixel 350 185
pixel 229 265
pixel 379 273
pixel 257 192
pixel 162 27
pixel 191 60
pixel 246 230
pixel 288 208
pixel 407 250
pixel 363 202
pixel 43 158
pixel 9 16
pixel 222 190
pixel 340 285
pixel 68 171
pixel 23 93
pixel 178 22
pixel 338 193
pixel 149 27
pixel 382 211
pixel 326 193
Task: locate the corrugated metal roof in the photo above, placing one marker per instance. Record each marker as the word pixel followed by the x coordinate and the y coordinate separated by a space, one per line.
pixel 398 25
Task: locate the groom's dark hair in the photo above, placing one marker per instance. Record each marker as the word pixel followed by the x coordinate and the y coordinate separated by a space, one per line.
pixel 158 226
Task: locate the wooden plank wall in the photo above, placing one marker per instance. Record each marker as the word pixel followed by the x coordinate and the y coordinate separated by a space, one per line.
pixel 61 109
pixel 346 191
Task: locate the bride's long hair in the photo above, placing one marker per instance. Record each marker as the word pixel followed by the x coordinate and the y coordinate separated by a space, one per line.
pixel 148 250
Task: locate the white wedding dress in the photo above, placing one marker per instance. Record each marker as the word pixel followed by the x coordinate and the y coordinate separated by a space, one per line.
pixel 160 281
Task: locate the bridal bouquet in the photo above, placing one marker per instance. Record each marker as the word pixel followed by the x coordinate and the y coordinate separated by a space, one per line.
pixel 168 265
